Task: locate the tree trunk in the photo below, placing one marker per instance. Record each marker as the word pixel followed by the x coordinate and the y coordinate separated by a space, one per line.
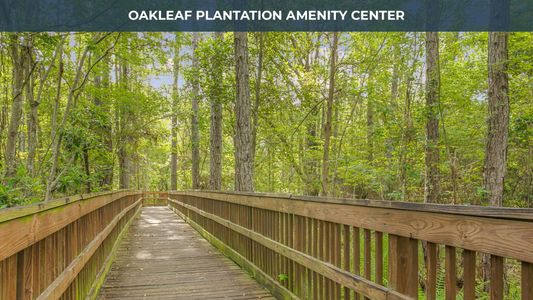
pixel 17 57
pixel 257 100
pixel 57 134
pixel 498 120
pixel 432 122
pixel 494 168
pixel 195 132
pixel 32 117
pixel 215 167
pixel 243 139
pixel 370 128
pixel 329 114
pixel 174 121
pixel 124 159
pixel 107 180
pixel 87 168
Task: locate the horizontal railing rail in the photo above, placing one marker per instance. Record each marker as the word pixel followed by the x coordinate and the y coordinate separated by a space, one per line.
pixel 327 248
pixel 62 248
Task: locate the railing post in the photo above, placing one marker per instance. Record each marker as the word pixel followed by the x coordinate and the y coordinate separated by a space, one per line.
pixel 403 265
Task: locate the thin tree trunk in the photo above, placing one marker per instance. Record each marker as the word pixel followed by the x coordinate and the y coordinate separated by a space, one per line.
pixel 87 168
pixel 215 161
pixel 329 115
pixel 102 82
pixel 57 134
pixel 243 139
pixel 32 117
pixel 370 128
pixel 195 132
pixel 17 57
pixel 174 121
pixel 432 122
pixel 124 155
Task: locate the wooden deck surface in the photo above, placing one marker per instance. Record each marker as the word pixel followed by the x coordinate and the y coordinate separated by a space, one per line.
pixel 162 257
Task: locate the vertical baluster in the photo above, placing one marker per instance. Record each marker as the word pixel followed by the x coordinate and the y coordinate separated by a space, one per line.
pixel 496 277
pixel 368 253
pixel 314 253
pixel 469 275
pixel 431 266
pixel 346 256
pixel 321 254
pixel 379 257
pixel 527 281
pixel 338 259
pixel 403 265
pixel 451 273
pixel 327 257
pixel 356 241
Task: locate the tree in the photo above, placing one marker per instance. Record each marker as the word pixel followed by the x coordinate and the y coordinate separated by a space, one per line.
pixel 195 132
pixel 432 121
pixel 498 119
pixel 329 114
pixel 174 117
pixel 17 57
pixel 215 146
pixel 257 98
pixel 243 134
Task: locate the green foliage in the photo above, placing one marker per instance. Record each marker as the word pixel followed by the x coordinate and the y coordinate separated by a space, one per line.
pixel 378 128
pixel 283 277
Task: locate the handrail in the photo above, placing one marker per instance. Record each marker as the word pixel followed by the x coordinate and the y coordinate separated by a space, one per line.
pixel 316 242
pixel 60 248
pixel 458 209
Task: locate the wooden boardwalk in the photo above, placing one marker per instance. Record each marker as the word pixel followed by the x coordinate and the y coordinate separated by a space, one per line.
pixel 162 257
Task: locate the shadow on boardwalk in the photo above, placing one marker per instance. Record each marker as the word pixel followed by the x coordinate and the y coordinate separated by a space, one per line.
pixel 164 258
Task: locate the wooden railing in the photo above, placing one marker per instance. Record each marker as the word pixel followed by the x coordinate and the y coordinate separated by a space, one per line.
pixel 62 248
pixel 320 248
pixel 154 198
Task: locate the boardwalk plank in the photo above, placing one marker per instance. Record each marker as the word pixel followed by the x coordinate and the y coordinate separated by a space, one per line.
pixel 162 257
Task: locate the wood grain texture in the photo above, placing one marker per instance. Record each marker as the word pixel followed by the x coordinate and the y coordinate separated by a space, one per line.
pixel 451 273
pixel 403 268
pixel 431 267
pixel 466 210
pixel 22 232
pixel 164 258
pixel 7 214
pixel 469 275
pixel 527 281
pixel 496 277
pixel 331 272
pixel 502 237
pixel 62 282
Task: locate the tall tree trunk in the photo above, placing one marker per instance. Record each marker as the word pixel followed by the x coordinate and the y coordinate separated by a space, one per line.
pixel 432 122
pixel 329 115
pixel 389 140
pixel 370 127
pixel 498 120
pixel 17 57
pixel 124 155
pixel 57 134
pixel 174 121
pixel 102 81
pixel 32 117
pixel 195 132
pixel 215 161
pixel 495 164
pixel 257 100
pixel 243 139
